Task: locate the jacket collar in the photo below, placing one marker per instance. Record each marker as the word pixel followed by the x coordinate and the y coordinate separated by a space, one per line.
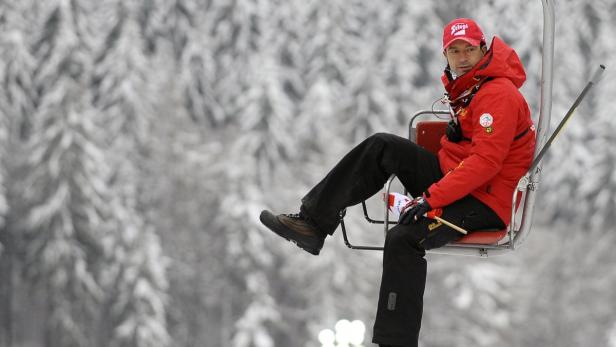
pixel 499 61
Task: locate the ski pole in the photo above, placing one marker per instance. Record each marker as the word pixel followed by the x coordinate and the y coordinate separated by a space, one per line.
pixel 594 80
pixel 451 225
pixel 436 215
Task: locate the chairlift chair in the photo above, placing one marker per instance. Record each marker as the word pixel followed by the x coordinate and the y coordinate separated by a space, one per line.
pixel 427 134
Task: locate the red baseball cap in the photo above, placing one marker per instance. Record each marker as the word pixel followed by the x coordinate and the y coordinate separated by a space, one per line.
pixel 462 29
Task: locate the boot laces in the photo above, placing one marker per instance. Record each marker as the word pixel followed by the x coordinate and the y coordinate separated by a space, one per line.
pixel 294 215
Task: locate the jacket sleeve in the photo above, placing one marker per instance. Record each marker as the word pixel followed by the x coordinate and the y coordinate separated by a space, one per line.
pixel 494 122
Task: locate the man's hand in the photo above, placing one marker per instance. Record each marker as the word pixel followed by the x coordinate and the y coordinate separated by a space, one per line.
pixel 414 210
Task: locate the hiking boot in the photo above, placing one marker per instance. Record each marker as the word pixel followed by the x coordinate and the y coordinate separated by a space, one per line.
pixel 295 228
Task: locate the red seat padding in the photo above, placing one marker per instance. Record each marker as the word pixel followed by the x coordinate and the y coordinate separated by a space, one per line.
pixel 429 135
pixel 482 237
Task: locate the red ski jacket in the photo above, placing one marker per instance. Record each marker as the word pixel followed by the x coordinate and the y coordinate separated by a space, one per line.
pixel 498 135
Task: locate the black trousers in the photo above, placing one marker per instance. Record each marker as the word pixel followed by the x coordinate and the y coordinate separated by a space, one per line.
pixel 362 173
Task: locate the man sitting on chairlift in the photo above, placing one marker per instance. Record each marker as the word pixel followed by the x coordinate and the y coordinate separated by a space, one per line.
pixel 488 147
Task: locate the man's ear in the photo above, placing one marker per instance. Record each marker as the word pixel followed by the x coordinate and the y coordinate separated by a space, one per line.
pixel 484 49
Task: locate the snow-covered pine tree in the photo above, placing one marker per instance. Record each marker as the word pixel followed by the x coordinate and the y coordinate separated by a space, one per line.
pixel 205 83
pixel 201 79
pixel 170 21
pixel 190 183
pixel 368 108
pixel 179 179
pixel 16 106
pixel 120 79
pixel 470 303
pixel 207 74
pixel 260 138
pixel 17 89
pixel 134 272
pixel 342 71
pixel 64 188
pixel 314 49
pixel 135 283
pixel 67 196
pixel 413 62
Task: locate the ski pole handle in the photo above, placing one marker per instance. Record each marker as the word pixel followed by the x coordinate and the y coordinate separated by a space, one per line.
pixel 598 74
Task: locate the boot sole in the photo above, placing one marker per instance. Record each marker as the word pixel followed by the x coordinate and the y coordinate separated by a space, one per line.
pixel 271 222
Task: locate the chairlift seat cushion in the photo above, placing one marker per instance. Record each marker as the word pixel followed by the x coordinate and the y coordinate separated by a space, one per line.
pixel 482 237
pixel 428 136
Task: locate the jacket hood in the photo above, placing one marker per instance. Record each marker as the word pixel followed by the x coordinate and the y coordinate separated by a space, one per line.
pixel 500 61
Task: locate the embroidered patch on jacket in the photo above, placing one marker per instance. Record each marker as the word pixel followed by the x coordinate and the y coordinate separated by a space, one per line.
pixel 486 120
pixel 489 130
pixel 462 113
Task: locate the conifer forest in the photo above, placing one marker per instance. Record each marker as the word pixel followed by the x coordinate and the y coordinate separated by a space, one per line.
pixel 140 140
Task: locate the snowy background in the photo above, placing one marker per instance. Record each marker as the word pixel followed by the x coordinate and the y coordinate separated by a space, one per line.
pixel 139 140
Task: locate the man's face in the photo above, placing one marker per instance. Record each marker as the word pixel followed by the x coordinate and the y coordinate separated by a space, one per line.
pixel 462 56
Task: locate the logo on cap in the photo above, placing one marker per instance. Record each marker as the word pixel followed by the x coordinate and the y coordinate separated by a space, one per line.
pixel 459 29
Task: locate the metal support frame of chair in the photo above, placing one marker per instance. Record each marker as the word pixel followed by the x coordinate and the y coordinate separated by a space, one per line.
pixel 527 186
